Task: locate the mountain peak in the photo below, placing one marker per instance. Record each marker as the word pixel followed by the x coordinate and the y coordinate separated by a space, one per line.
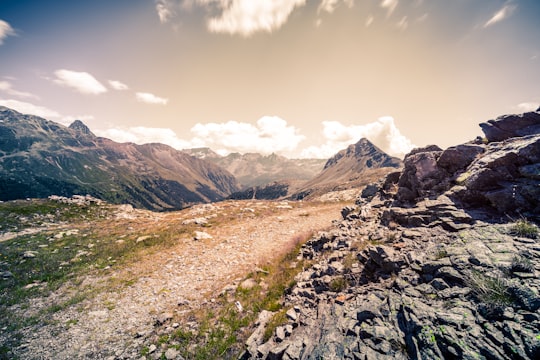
pixel 79 126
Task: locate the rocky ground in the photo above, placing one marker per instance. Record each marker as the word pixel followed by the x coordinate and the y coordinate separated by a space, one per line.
pixel 122 304
pixel 379 292
pixel 438 261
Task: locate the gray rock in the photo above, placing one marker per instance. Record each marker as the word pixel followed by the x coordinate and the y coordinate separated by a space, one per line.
pixel 509 126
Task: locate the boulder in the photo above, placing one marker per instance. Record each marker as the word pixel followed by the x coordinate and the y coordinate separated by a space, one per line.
pixel 509 126
pixel 459 157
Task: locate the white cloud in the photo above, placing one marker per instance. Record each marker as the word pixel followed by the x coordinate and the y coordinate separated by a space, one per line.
pixel 117 85
pixel 28 108
pixel 528 106
pixel 7 87
pixel 165 10
pixel 369 20
pixel 5 31
pixel 41 111
pixel 271 134
pixel 245 17
pixel 151 98
pixel 383 133
pixel 403 24
pixel 83 82
pixel 390 6
pixel 68 120
pixel 502 14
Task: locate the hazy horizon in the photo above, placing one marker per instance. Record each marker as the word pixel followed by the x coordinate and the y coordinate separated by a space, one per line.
pixel 294 77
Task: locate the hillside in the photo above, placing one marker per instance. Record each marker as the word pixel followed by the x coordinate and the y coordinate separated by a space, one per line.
pixel 354 167
pixel 253 169
pixel 39 158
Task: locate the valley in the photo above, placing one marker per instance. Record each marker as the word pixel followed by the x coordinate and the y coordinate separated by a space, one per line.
pixel 113 271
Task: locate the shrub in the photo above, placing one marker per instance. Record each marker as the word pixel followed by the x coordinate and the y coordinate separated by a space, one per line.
pixel 524 228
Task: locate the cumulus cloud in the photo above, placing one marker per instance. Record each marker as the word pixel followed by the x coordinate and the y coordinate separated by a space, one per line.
pixel 44 112
pixel 165 10
pixel 506 11
pixel 7 87
pixel 236 17
pixel 383 133
pixel 82 82
pixel 528 106
pixel 5 31
pixel 270 134
pixel 117 85
pixel 28 108
pixel 151 98
pixel 390 6
pixel 145 135
pixel 330 5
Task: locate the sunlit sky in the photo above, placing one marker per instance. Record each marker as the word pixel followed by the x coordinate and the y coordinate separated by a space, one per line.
pixel 302 78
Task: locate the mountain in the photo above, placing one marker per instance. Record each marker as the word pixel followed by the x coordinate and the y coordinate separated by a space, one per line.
pixel 39 158
pixel 353 167
pixel 254 169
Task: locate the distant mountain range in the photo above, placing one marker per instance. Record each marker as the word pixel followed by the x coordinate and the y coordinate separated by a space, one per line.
pixel 353 167
pixel 39 158
pixel 254 169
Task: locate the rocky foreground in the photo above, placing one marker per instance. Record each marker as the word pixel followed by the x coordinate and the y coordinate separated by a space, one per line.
pixel 436 262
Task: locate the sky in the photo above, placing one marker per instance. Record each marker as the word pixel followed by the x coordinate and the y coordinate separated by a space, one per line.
pixel 300 78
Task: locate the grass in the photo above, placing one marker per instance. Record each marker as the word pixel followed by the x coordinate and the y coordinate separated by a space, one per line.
pixel 490 290
pixel 88 245
pixel 524 228
pixel 224 329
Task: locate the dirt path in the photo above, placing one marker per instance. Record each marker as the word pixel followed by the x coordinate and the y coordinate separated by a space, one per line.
pixel 112 324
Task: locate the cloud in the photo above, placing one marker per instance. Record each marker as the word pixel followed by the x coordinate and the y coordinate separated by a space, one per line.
pixel 390 6
pixel 369 20
pixel 270 134
pixel 383 133
pixel 165 10
pixel 7 87
pixel 151 98
pixel 28 108
pixel 245 17
pixel 528 106
pixel 117 85
pixel 403 24
pixel 83 82
pixel 506 11
pixel 41 111
pixel 5 31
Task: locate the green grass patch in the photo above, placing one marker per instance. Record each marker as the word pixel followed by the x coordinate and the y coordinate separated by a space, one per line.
pixel 524 228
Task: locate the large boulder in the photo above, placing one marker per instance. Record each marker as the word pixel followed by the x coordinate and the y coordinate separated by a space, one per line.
pixel 421 176
pixel 509 126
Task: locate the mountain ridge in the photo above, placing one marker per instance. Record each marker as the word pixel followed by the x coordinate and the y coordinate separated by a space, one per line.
pixel 41 158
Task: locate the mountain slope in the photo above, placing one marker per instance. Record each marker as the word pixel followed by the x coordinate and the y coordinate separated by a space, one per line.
pixel 357 165
pixel 39 158
pixel 254 169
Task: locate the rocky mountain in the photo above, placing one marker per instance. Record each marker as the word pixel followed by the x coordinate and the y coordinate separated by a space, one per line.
pixel 438 261
pixel 356 166
pixel 254 169
pixel 39 158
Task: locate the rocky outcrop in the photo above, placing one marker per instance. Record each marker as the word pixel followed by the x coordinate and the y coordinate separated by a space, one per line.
pixel 411 292
pixel 500 175
pixel 509 126
pixel 424 266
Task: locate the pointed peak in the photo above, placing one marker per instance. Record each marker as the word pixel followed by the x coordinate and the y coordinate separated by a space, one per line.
pixel 79 126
